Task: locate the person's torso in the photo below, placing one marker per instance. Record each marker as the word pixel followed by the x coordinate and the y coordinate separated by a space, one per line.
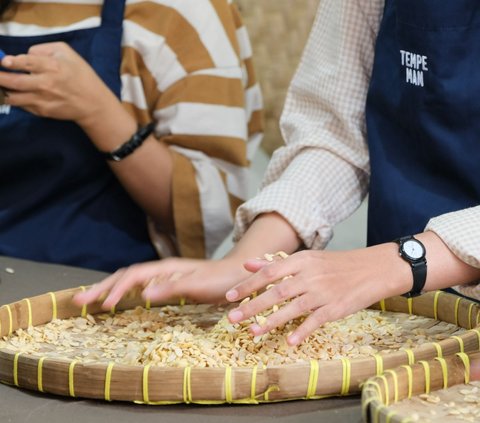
pixel 59 201
pixel 423 115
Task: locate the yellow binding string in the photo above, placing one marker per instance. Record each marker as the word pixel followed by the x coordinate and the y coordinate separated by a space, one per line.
pixel 443 364
pixel 410 355
pixel 54 305
pixel 71 380
pixel 457 304
pixel 148 304
pixel 346 368
pixel 182 301
pixel 15 368
pixel 377 386
pixel 438 347
pixel 376 413
pixel 10 320
pixel 378 364
pixel 389 416
pixel 435 304
pixel 470 312
pixel 108 380
pixel 365 405
pixel 466 362
pixel 29 308
pixel 228 385
pixel 426 370
pixel 40 373
pixel 253 386
pixel 113 309
pixel 84 307
pixel 382 305
pixel 477 332
pixel 395 384
pixel 477 322
pixel 409 380
pixel 386 389
pixel 312 379
pixel 187 385
pixel 460 343
pixel 410 305
pixel 146 398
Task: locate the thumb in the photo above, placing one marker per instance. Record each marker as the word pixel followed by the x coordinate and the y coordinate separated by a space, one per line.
pixel 254 265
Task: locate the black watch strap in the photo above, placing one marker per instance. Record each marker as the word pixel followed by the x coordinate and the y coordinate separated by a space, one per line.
pixel 419 270
pixel 419 267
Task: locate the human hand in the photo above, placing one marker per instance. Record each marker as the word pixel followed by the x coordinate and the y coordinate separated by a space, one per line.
pixel 204 281
pixel 324 285
pixel 53 81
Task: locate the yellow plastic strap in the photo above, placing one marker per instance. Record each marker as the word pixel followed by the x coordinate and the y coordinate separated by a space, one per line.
pixel 438 347
pixel 387 390
pixel 10 320
pixel 410 355
pixel 54 305
pixel 409 380
pixel 435 304
pixel 377 386
pixel 410 305
pixel 148 304
pixel 478 319
pixel 382 305
pixel 457 304
pixel 228 385
pixel 477 332
pixel 365 405
pixel 15 368
pixel 376 413
pixel 84 307
pixel 71 381
pixel 253 386
pixel 29 308
pixel 443 363
pixel 466 362
pixel 40 374
pixel 187 385
pixel 108 380
pixel 346 367
pixel 460 342
pixel 378 364
pixel 470 312
pixel 389 416
pixel 182 301
pixel 146 398
pixel 312 379
pixel 113 310
pixel 395 384
pixel 426 369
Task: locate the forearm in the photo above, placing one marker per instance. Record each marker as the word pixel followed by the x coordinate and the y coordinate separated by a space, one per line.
pixel 146 174
pixel 444 268
pixel 269 233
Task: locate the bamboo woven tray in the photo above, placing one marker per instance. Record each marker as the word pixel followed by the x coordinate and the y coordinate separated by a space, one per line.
pixel 249 385
pixel 437 381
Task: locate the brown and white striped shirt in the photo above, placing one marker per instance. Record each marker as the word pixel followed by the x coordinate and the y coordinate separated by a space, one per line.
pixel 321 175
pixel 188 65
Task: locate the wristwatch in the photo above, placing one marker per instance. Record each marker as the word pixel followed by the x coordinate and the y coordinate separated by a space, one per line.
pixel 413 252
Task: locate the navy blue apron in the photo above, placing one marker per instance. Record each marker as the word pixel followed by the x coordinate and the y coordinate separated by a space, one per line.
pixel 59 201
pixel 423 115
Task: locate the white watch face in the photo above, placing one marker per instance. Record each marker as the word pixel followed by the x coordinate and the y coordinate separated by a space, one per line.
pixel 413 249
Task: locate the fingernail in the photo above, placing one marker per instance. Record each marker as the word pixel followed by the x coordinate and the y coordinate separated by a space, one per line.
pixel 293 340
pixel 231 295
pixel 235 316
pixel 256 329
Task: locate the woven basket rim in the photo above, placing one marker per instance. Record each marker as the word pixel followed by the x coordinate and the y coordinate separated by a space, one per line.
pixel 466 314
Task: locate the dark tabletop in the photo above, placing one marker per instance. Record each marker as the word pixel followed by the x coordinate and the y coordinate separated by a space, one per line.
pixel 21 406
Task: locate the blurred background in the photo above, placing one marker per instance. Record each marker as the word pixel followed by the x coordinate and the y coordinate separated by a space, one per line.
pixel 278 32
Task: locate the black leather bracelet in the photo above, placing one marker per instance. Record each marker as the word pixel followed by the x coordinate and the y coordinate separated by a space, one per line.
pixel 131 145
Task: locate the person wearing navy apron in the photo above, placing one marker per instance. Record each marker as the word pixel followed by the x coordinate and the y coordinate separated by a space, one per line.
pixel 59 200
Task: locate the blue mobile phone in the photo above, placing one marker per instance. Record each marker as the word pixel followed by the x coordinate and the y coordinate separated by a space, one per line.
pixel 2 54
